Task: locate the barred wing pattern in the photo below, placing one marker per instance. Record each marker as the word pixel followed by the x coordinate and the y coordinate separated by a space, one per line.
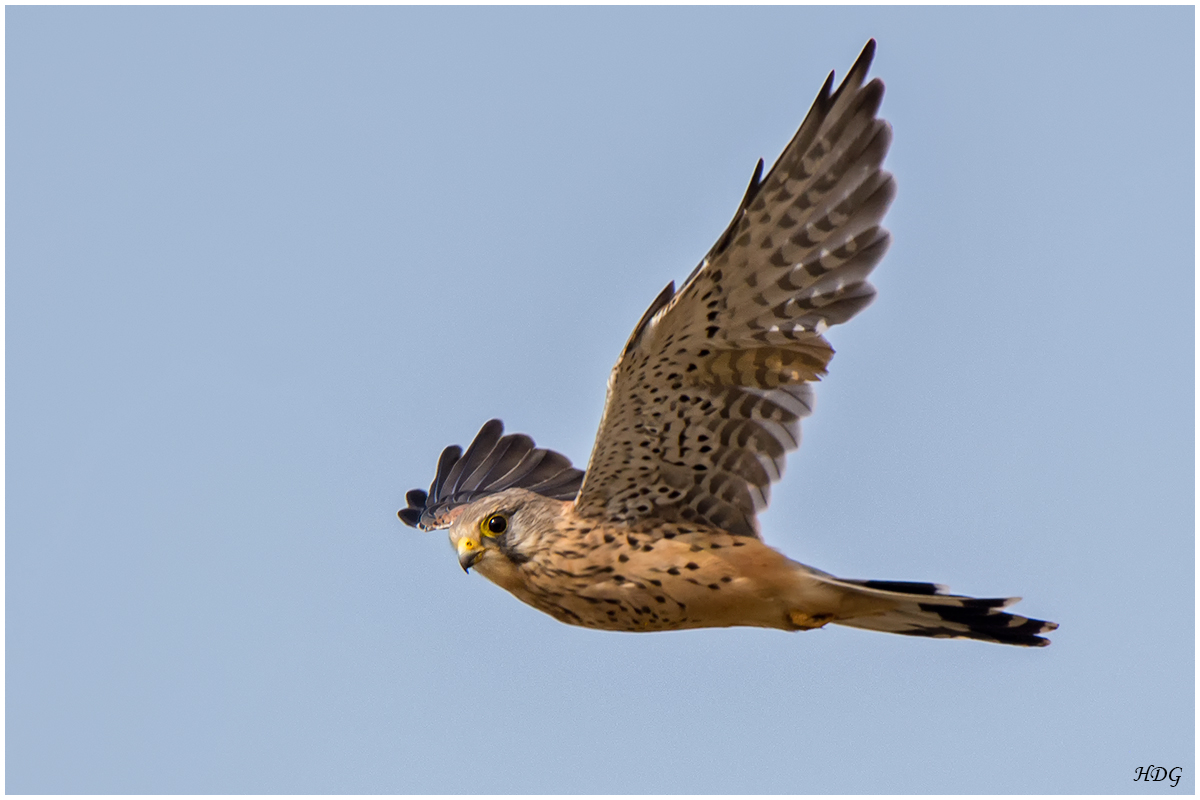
pixel 706 400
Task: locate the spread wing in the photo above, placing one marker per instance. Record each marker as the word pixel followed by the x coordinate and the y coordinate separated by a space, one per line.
pixel 493 462
pixel 706 399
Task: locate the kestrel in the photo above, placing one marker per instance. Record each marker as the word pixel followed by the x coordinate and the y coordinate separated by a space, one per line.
pixel 703 405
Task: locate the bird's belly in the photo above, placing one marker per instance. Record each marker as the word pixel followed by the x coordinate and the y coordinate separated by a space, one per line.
pixel 673 587
pixel 631 606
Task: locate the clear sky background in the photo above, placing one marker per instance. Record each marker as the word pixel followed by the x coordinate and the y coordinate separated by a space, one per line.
pixel 263 264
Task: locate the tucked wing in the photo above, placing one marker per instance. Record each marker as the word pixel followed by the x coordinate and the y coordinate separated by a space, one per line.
pixel 493 462
pixel 706 400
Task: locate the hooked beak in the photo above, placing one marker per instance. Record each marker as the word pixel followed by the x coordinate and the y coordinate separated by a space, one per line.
pixel 468 553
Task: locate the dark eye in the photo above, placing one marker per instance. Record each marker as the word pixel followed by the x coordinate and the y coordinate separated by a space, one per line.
pixel 495 525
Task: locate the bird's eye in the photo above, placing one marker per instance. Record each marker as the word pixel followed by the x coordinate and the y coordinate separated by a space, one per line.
pixel 495 525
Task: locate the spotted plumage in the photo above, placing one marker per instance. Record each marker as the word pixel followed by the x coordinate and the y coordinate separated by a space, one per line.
pixel 704 403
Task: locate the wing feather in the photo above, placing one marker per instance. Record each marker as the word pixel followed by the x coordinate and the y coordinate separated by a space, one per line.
pixel 707 397
pixel 492 463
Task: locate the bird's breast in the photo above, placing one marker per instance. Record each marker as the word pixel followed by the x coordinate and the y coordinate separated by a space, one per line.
pixel 676 577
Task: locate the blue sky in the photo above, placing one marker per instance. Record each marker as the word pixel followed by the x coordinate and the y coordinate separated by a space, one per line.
pixel 264 263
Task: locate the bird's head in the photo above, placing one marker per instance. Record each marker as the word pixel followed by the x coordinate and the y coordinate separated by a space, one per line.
pixel 496 534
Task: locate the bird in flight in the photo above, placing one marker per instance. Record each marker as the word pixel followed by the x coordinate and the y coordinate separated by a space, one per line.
pixel 660 532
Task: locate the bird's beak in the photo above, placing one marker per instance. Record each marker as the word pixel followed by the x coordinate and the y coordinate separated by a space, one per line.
pixel 469 552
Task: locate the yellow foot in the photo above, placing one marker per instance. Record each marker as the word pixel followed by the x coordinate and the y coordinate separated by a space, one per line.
pixel 808 622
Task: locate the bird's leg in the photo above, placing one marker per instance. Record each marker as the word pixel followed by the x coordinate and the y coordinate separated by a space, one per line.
pixel 808 622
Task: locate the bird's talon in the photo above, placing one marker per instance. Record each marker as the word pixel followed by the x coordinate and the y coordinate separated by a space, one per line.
pixel 808 622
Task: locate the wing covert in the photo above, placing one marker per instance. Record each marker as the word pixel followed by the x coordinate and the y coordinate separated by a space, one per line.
pixel 707 397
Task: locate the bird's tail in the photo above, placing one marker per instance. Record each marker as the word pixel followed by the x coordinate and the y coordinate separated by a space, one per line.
pixel 925 609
